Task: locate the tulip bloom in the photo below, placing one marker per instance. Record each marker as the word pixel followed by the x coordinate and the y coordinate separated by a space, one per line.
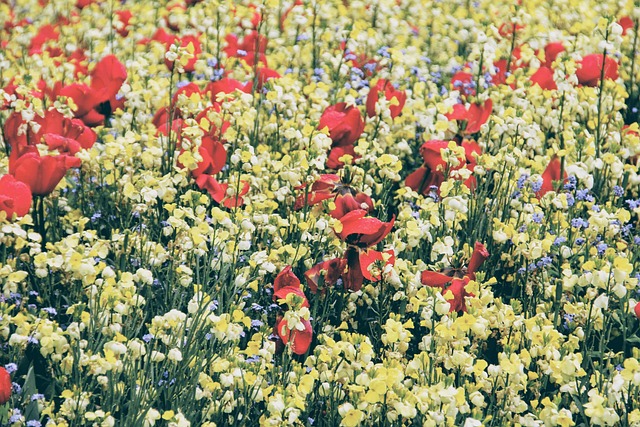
pixel 463 82
pixel 5 386
pixel 551 52
pixel 390 93
pixel 218 191
pixel 345 198
pixel 41 174
pixel 15 196
pixel 184 42
pixel 345 124
pixel 591 67
pixel 325 274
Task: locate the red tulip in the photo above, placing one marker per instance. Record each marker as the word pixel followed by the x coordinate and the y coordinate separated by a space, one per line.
pixel 345 124
pixel 590 69
pixel 226 86
pixel 107 78
pixel 336 153
pixel 124 16
pixel 390 92
pixel 346 198
pixel 286 278
pixel 41 174
pixel 543 77
pixel 636 310
pixel 478 257
pixel 362 231
pixel 15 197
pixel 5 386
pixel 45 34
pixel 464 82
pixel 282 293
pixel 432 154
pixel 457 288
pixel 626 23
pixel 300 340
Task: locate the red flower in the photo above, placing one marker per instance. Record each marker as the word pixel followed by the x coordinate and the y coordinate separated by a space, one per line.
pixel 15 197
pixel 184 42
pixel 362 231
pixel 41 174
pixel 124 16
pixel 286 278
pixel 336 153
pixel 470 120
pixel 346 198
pixel 359 264
pixel 636 310
pixel 345 124
pixel 626 23
pixel 591 67
pixel 551 52
pixel 330 270
pixel 264 74
pixel 390 92
pixel 214 157
pixel 463 82
pixel 218 191
pixel 550 175
pixel 543 77
pixel 457 288
pixel 226 86
pixel 300 340
pixel 478 257
pixel 251 48
pixel 5 386
pixel 107 78
pixel 45 34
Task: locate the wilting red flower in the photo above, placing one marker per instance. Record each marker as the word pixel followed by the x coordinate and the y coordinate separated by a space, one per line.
pixel 218 191
pixel 330 270
pixel 471 119
pixel 300 340
pixel 390 92
pixel 41 174
pixel 15 197
pixel 551 52
pixel 550 175
pixel 5 386
pixel 184 42
pixel 362 231
pixel 590 68
pixel 344 122
pixel 543 77
pixel 359 263
pixel 457 288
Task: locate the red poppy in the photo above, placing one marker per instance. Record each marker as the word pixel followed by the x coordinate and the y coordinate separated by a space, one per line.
pixel 184 42
pixel 336 153
pixel 591 66
pixel 464 82
pixel 300 340
pixel 344 122
pixel 124 16
pixel 390 92
pixel 15 197
pixel 626 22
pixel 5 386
pixel 41 174
pixel 362 231
pixel 346 198
pixel 45 34
pixel 543 77
pixel 551 52
pixel 218 191
pixel 550 175
pixel 325 274
pixel 471 119
pixel 286 278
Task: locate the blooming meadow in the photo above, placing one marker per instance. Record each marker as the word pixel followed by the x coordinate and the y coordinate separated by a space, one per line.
pixel 319 213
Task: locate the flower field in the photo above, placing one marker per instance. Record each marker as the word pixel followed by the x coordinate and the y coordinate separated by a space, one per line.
pixel 319 213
